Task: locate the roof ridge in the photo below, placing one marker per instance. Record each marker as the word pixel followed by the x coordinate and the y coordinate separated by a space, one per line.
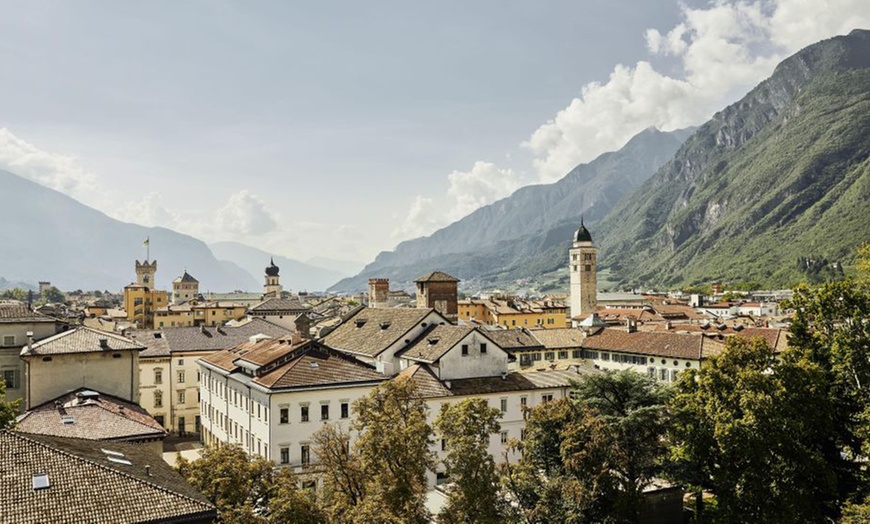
pixel 104 467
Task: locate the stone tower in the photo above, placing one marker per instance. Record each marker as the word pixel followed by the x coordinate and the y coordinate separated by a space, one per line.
pixel 439 291
pixel 379 292
pixel 273 286
pixel 582 258
pixel 184 289
pixel 145 272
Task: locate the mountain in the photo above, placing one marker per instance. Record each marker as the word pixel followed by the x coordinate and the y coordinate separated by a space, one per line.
pixel 497 242
pixel 345 267
pixel 50 236
pixel 771 184
pixel 295 275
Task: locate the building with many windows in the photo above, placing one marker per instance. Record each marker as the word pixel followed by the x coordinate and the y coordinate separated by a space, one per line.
pixel 514 312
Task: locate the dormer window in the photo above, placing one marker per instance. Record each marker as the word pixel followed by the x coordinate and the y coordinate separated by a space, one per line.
pixel 385 325
pixel 360 322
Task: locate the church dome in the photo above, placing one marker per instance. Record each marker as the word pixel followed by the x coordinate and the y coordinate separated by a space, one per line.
pixel 272 269
pixel 582 234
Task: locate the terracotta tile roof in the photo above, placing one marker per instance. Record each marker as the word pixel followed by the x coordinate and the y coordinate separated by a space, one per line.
pixel 560 338
pixel 437 276
pixel 320 367
pixel 91 415
pixel 435 341
pixel 285 365
pixel 20 313
pixel 213 338
pixel 280 304
pixel 85 486
pixel 429 386
pixel 514 339
pixel 81 340
pixel 671 345
pixel 369 331
pixel 775 337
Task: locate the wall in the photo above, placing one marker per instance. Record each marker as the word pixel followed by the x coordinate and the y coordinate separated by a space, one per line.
pixel 9 355
pixel 454 365
pixel 148 386
pixel 100 371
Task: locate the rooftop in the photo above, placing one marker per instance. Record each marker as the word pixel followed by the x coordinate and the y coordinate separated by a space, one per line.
pixel 21 313
pixel 435 341
pixel 91 415
pixel 288 305
pixel 437 276
pixel 183 339
pixel 81 340
pixel 370 331
pixel 428 385
pixel 91 481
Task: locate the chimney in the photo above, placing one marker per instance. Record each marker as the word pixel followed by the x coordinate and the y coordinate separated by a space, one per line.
pixel 630 325
pixel 29 341
pixel 147 470
pixel 104 343
pixel 668 325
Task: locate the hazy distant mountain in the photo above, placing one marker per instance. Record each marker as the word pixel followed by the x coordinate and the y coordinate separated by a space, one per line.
pixel 295 275
pixel 7 284
pixel 49 236
pixel 345 267
pixel 501 241
pixel 771 185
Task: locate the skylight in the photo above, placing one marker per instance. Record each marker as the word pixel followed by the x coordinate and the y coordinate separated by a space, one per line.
pixel 120 461
pixel 40 481
pixel 113 453
pixel 67 420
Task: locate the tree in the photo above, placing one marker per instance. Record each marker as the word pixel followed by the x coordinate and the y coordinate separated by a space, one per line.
pixel 632 408
pixel 52 294
pixel 8 408
pixel 751 428
pixel 473 496
pixel 238 484
pixel 381 478
pixel 290 505
pixel 563 474
pixel 863 264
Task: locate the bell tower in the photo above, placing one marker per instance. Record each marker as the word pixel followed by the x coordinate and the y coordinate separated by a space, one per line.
pixel 145 272
pixel 582 260
pixel 273 286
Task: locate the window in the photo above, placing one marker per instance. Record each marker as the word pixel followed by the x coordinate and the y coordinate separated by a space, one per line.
pixel 524 401
pixel 9 377
pixel 546 398
pixel 306 454
pixel 284 416
pixel 605 356
pixel 285 455
pixel 651 372
pixel 504 437
pixel 158 399
pixel 345 410
pixel 504 405
pixel 181 397
pixel 443 444
pixel 576 354
pixel 563 355
pixel 464 350
pixel 483 349
pixel 8 340
pixel 663 374
pixel 688 364
pixel 181 362
pixel 303 413
pixel 522 434
pixel 525 359
pixel 158 376
pixel 181 377
pixel 549 355
pixel 324 412
pixel 536 356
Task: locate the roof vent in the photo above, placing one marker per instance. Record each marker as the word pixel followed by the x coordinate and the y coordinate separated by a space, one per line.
pixel 433 341
pixel 315 365
pixel 385 325
pixel 738 327
pixel 67 420
pixel 720 327
pixel 360 322
pixel 40 481
pixel 104 343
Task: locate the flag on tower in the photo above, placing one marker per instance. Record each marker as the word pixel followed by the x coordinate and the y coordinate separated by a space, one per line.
pixel 147 241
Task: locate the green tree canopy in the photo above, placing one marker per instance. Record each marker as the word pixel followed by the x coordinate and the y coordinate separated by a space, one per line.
pixel 473 496
pixel 8 408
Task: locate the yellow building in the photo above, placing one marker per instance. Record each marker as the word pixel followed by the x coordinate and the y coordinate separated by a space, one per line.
pixel 141 299
pixel 512 312
pixel 198 314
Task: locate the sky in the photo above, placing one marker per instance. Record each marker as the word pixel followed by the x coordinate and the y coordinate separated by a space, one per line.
pixel 338 129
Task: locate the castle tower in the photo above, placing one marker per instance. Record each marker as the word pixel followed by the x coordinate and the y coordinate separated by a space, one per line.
pixel 273 286
pixel 145 272
pixel 184 289
pixel 582 259
pixel 439 291
pixel 379 292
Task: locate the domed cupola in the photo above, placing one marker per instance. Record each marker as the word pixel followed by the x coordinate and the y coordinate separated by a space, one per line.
pixel 272 269
pixel 582 234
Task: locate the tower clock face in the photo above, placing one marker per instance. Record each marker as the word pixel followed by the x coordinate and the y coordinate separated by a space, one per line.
pixel 145 278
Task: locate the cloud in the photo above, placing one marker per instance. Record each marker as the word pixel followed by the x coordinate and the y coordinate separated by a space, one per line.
pixel 149 211
pixel 245 214
pixel 59 172
pixel 723 50
pixel 467 191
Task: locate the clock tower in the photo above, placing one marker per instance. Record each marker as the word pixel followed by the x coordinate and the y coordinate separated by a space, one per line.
pixel 582 260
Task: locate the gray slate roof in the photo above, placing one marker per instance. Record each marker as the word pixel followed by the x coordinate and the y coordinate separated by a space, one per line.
pixel 84 486
pixel 205 338
pixel 435 342
pixel 81 340
pixel 437 276
pixel 287 305
pixel 21 313
pixel 370 331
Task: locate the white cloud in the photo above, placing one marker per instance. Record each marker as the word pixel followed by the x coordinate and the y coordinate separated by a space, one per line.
pixel 724 50
pixel 468 191
pixel 149 211
pixel 245 214
pixel 59 172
